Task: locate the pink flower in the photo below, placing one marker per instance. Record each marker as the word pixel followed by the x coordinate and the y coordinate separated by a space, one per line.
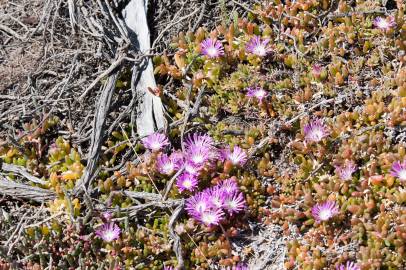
pixel 108 232
pixel 155 141
pixel 258 47
pixel 192 168
pixel 197 204
pixel 345 172
pixel 186 181
pixel 216 196
pixel 211 48
pixel 198 155
pixel 167 165
pixel 315 131
pixel 229 186
pixel 211 217
pixel 384 23
pixel 199 140
pixel 168 268
pixel 325 211
pixel 201 208
pixel 348 266
pixel 234 203
pixel 237 156
pixel 399 170
pixel 257 92
pixel 239 266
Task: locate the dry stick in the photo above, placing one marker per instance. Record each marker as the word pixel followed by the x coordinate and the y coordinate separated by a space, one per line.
pixel 45 220
pixel 199 20
pixel 11 32
pixel 349 14
pixel 191 112
pixel 170 25
pixel 23 172
pixel 170 183
pixel 18 190
pixel 102 109
pixel 243 6
pixel 105 73
pixel 177 246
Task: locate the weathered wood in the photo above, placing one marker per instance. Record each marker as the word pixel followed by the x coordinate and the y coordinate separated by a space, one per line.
pixel 98 132
pixel 25 192
pixel 23 172
pixel 150 112
pixel 177 245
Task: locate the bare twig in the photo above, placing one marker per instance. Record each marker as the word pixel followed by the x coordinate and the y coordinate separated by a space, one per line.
pixel 177 246
pixel 25 192
pixel 22 171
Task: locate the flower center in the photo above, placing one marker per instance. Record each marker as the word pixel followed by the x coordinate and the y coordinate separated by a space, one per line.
pixel 208 218
pixel 383 24
pixel 325 214
pixel 212 52
pixel 260 50
pixel 155 145
pixel 402 174
pixel 317 134
pixel 198 158
pixel 109 236
pixel 232 205
pixel 260 94
pixel 187 184
pixel 168 167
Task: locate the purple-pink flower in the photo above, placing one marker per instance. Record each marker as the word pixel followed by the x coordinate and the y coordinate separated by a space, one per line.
pixel 211 48
pixel 108 232
pixel 239 266
pixel 258 47
pixel 229 186
pixel 345 171
pixel 234 203
pixel 399 170
pixel 199 140
pixel 237 156
pixel 257 92
pixel 200 208
pixel 155 141
pixel 167 164
pixel 186 181
pixel 210 205
pixel 177 157
pixel 348 266
pixel 168 268
pixel 384 23
pixel 212 216
pixel 191 168
pixel 315 131
pixel 197 204
pixel 325 211
pixel 198 155
pixel 216 196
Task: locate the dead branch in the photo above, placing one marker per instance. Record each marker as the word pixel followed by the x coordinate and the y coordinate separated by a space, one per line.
pixel 25 192
pixel 21 171
pixel 98 133
pixel 177 245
